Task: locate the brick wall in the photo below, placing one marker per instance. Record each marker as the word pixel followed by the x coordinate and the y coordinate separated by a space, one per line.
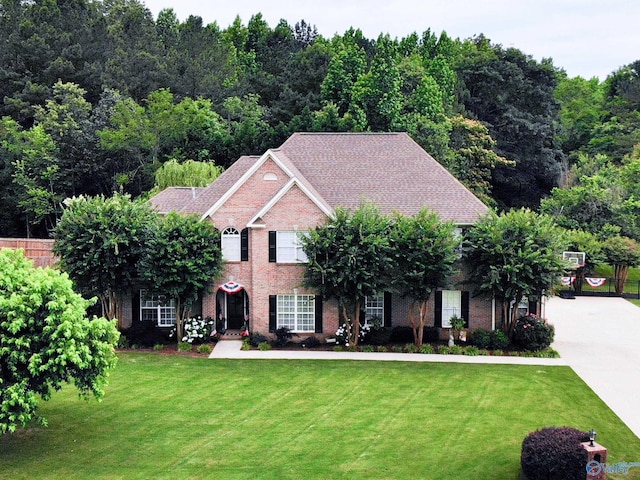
pixel 38 250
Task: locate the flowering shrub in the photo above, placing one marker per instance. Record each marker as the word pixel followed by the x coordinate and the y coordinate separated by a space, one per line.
pixel 533 333
pixel 342 335
pixel 197 330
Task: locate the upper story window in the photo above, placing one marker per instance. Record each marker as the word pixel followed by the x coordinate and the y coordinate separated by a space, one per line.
pixel 230 241
pixel 286 247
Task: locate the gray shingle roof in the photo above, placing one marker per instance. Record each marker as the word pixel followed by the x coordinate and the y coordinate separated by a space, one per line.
pixel 388 169
pixel 342 169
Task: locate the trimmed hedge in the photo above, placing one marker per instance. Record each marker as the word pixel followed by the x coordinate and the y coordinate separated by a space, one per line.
pixel 554 453
pixel 488 340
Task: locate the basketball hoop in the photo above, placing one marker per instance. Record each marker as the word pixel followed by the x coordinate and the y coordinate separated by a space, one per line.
pixel 575 260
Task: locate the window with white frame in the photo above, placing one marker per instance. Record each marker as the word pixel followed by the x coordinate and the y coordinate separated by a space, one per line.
pixel 451 306
pixel 289 247
pixel 296 312
pixel 158 309
pixel 230 242
pixel 374 309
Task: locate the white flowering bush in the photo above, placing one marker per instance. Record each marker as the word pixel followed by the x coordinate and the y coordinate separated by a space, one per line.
pixel 342 334
pixel 198 330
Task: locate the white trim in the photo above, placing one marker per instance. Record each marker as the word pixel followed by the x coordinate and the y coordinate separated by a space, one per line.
pixel 278 196
pixel 269 154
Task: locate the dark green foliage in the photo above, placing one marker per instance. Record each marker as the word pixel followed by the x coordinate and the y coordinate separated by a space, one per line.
pixel 256 339
pixel 554 453
pixel 378 336
pixel 145 333
pixel 532 333
pixel 488 339
pixel 311 342
pixel 283 335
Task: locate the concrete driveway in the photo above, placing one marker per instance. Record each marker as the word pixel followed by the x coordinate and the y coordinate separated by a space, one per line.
pixel 600 339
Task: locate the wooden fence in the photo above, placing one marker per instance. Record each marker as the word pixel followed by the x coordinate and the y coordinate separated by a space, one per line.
pixel 37 249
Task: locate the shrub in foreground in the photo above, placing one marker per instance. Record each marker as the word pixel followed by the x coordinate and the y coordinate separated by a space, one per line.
pixel 554 453
pixel 533 333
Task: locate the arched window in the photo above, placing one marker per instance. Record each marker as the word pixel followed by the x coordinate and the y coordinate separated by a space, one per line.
pixel 230 241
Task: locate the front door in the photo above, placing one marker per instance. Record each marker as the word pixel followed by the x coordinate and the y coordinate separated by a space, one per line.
pixel 235 310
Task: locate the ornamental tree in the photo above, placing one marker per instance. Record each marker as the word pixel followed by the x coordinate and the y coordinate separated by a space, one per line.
pixel 622 253
pixel 425 254
pixel 349 258
pixel 513 255
pixel 181 259
pixel 46 340
pixel 100 242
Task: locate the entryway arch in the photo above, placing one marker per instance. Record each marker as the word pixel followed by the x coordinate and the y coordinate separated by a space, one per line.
pixel 232 306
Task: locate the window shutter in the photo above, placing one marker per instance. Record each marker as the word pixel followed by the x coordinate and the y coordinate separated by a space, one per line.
pixel 387 309
pixel 319 322
pixel 437 321
pixel 533 307
pixel 272 246
pixel 244 245
pixel 273 310
pixel 465 308
pixel 135 306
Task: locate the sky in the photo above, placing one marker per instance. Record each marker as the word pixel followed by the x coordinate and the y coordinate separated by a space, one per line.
pixel 587 38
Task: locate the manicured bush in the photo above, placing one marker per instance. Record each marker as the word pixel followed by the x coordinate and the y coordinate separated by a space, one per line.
pixel 311 342
pixel 532 333
pixel 184 347
pixel 283 335
pixel 426 349
pixel 498 340
pixel 264 346
pixel 455 350
pixel 480 338
pixel 204 348
pixel 554 453
pixel 471 351
pixel 378 336
pixel 145 333
pixel 410 348
pixel 444 350
pixel 256 339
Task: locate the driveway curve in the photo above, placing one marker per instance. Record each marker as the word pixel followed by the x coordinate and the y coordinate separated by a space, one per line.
pixel 600 339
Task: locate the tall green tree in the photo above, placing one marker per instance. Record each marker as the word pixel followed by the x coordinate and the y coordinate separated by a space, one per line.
pixel 100 242
pixel 181 260
pixel 512 256
pixel 349 258
pixel 425 257
pixel 46 340
pixel 622 253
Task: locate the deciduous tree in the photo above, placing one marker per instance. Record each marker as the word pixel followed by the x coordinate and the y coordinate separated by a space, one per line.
pixel 46 340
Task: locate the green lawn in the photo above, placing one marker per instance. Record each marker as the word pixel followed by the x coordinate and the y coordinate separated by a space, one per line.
pixel 189 418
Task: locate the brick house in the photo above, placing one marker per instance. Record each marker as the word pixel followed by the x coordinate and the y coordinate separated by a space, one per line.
pixel 261 204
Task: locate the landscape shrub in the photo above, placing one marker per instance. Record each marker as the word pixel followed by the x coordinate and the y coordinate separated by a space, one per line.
pixel 264 346
pixel 471 351
pixel 283 335
pixel 455 350
pixel 378 336
pixel 204 348
pixel 444 350
pixel 480 338
pixel 367 348
pixel 554 453
pixel 427 349
pixel 498 340
pixel 410 348
pixel 488 339
pixel 145 333
pixel 401 334
pixel 532 333
pixel 197 330
pixel 311 342
pixel 184 347
pixel 256 339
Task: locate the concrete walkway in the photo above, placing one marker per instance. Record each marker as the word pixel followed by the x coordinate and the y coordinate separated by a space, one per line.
pixel 231 349
pixel 600 339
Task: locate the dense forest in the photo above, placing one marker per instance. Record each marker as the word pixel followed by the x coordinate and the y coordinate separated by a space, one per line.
pixel 96 96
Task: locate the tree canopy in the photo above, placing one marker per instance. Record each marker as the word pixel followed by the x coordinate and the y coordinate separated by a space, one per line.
pixel 46 340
